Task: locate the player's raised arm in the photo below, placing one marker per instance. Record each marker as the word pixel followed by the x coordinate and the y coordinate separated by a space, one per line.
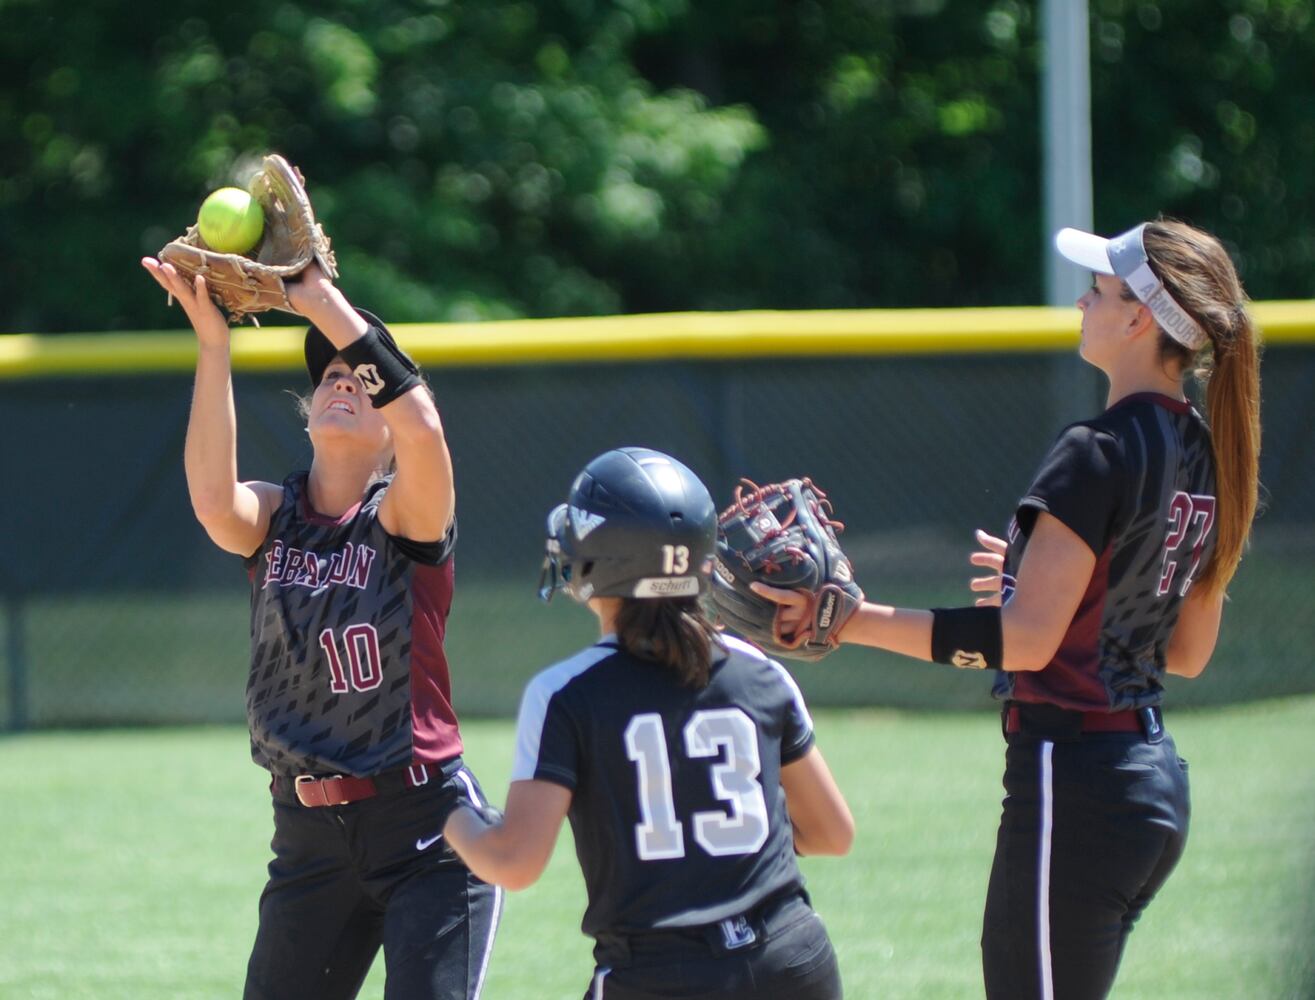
pixel 234 514
pixel 421 499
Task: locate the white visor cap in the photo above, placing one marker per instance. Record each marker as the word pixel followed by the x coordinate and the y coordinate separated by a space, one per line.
pixel 1124 256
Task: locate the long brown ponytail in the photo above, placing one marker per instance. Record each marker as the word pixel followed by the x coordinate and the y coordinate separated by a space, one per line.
pixel 1199 275
pixel 674 632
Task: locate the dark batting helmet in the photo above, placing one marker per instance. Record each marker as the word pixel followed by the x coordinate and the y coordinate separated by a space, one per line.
pixel 637 523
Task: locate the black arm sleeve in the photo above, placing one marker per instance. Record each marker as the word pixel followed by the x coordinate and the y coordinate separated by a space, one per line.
pixel 428 553
pixel 1081 482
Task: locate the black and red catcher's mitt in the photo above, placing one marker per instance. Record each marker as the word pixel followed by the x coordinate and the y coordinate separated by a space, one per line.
pixel 783 534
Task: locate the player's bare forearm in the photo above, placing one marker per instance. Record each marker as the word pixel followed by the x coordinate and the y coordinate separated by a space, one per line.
pixel 897 630
pixel 489 850
pixel 1026 643
pixel 210 450
pixel 512 850
pixel 235 515
pixel 317 298
pixel 909 632
pixel 499 853
pixel 1195 634
pixel 420 502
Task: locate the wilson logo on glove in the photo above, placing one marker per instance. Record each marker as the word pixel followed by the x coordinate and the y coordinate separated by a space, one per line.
pixel 828 609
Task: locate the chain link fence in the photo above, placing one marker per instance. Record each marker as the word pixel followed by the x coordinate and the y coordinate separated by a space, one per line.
pixel 118 610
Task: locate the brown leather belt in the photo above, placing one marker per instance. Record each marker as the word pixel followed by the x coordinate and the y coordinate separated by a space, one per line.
pixel 342 789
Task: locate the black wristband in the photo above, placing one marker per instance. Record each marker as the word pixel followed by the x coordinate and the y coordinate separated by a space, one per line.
pixel 972 638
pixel 383 368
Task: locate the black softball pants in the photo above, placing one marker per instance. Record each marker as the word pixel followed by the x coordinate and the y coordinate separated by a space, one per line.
pixel 779 951
pixel 1091 829
pixel 347 880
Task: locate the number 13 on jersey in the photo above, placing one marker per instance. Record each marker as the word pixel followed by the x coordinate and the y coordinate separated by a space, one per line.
pixel 742 828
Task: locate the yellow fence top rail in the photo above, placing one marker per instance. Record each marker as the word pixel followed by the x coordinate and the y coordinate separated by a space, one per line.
pixel 589 340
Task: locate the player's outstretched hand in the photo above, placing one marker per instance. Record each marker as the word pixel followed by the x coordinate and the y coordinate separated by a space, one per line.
pixel 206 319
pixel 991 556
pixel 794 616
pixel 309 291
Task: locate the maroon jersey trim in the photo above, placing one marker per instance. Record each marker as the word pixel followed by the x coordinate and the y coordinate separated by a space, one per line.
pixel 435 735
pixel 1158 398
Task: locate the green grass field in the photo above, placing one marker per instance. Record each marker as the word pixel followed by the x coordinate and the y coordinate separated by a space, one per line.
pixel 133 859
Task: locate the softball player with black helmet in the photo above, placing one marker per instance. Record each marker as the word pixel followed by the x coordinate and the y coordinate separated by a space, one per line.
pixel 685 761
pixel 348 697
pixel 1113 573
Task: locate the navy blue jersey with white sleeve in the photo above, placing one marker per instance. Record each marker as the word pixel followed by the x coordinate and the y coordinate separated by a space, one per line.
pixel 1137 485
pixel 676 803
pixel 348 673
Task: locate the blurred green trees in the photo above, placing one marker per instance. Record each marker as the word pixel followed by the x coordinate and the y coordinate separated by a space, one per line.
pixel 501 158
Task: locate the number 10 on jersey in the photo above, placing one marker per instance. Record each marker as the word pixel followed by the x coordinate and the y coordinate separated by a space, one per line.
pixel 365 665
pixel 742 828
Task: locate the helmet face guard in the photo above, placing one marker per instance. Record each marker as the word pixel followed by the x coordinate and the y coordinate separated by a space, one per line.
pixel 637 524
pixel 554 576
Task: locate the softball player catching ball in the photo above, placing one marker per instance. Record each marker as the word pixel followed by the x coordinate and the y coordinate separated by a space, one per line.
pixel 1112 573
pixel 675 752
pixel 348 696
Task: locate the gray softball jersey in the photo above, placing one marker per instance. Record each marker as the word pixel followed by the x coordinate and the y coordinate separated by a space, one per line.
pixel 348 673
